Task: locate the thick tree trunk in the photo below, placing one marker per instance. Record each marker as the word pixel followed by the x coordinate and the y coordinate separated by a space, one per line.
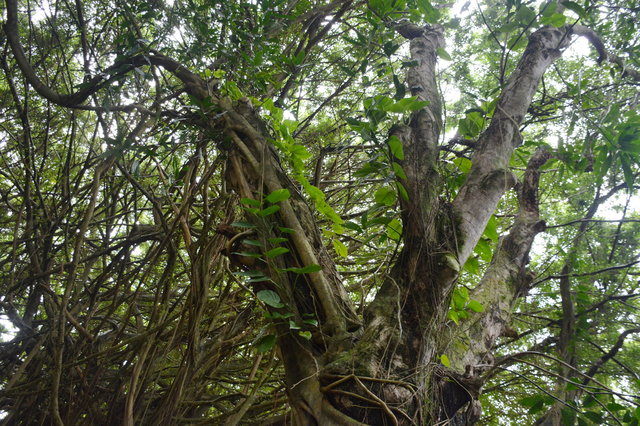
pixel 387 371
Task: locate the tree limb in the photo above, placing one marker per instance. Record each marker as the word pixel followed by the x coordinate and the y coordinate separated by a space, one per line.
pixel 603 53
pixel 194 84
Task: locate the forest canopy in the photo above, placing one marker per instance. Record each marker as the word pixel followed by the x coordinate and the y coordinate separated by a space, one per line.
pixel 381 212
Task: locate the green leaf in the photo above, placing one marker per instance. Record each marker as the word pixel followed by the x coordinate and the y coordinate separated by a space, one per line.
pixel 507 28
pixel 265 343
pixel 472 124
pixel 231 89
pixel 491 231
pixel 431 14
pixel 394 230
pixel 405 105
pixel 390 48
pixel 314 192
pixel 299 58
pixel 383 220
pixel 459 298
pixel 355 124
pixel 613 115
pixel 484 250
pixel 306 270
pixel 626 169
pixel 603 163
pixel 278 315
pixel 379 102
pixel 305 334
pixel 472 266
pixel 579 10
pixel 453 316
pixel 589 401
pixel 269 210
pixel 517 42
pixel 594 417
pixel 278 195
pixel 464 291
pixel 277 240
pixel 475 306
pixel 293 325
pixel 557 20
pixel 253 243
pixel 402 191
pixel 366 170
pixel 401 90
pixel 353 226
pixel 399 171
pixel 328 211
pixel 571 386
pixel 251 210
pixel 464 164
pixel 250 202
pixel 395 145
pixel 531 401
pixel 385 196
pixel 299 152
pixel 614 406
pixel 629 138
pixel 445 360
pixel 442 54
pixel 548 8
pixel 539 406
pixel 286 230
pixel 276 252
pixel 340 248
pixel 525 15
pixel 270 297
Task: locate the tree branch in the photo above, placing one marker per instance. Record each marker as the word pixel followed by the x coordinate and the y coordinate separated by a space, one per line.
pixel 610 354
pixel 194 84
pixel 586 274
pixel 489 177
pixel 505 278
pixel 603 53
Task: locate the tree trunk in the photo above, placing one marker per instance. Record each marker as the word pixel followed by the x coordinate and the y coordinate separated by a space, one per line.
pixel 388 370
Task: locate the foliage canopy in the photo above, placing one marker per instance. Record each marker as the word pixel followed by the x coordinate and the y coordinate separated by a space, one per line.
pixel 310 212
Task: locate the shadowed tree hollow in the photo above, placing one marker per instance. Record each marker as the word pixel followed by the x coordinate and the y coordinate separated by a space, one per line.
pixel 319 213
